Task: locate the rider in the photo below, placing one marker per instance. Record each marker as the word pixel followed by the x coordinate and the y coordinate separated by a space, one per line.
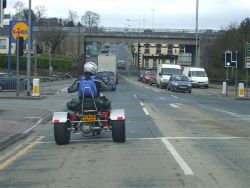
pixel 87 80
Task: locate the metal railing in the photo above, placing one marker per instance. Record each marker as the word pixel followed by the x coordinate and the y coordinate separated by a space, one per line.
pixel 8 87
pixel 121 30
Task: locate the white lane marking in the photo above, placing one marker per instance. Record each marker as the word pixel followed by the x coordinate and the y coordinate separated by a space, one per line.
pixel 37 124
pixel 141 103
pixel 179 104
pixel 186 169
pixel 174 97
pixel 162 98
pixel 135 96
pixel 226 112
pixel 156 90
pixel 156 138
pixel 145 111
pixel 32 117
pixel 174 105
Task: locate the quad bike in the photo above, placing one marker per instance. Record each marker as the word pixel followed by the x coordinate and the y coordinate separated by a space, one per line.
pixel 89 120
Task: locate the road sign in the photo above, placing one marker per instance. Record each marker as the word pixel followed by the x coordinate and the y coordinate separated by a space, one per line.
pixel 247 49
pixel 247 62
pixel 20 29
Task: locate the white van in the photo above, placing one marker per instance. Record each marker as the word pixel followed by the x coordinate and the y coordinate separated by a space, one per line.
pixel 164 71
pixel 197 76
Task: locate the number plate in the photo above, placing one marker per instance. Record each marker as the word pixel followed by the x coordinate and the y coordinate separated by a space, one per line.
pixel 89 118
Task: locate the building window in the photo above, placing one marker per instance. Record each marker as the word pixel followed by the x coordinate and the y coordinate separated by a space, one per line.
pixel 170 49
pixel 182 48
pixel 3 43
pixel 154 63
pixel 146 63
pixel 147 51
pixel 158 48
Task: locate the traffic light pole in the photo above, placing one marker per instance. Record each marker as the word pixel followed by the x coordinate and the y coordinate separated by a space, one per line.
pixel 236 74
pixel 17 66
pixel 29 53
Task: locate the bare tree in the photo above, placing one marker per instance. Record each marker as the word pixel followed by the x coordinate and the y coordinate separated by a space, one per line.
pixel 40 11
pixel 53 35
pixel 73 16
pixel 19 7
pixel 90 19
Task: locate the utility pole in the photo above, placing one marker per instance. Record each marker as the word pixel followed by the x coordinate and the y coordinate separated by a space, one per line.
pixel 28 53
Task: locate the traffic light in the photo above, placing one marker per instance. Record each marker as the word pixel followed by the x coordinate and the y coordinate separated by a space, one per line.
pixel 20 41
pixel 230 59
pixel 2 7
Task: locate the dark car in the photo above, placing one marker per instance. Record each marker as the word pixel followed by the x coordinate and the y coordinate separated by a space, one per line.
pixel 149 77
pixel 179 83
pixel 141 74
pixel 8 82
pixel 108 76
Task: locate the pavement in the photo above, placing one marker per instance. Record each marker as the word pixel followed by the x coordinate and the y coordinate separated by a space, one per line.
pixel 19 116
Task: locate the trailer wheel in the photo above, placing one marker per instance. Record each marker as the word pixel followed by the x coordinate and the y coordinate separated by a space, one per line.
pixel 61 133
pixel 118 131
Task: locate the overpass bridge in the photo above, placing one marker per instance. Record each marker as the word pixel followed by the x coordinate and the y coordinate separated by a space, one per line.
pixel 77 37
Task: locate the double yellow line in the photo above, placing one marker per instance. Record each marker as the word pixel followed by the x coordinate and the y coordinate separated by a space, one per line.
pixel 20 153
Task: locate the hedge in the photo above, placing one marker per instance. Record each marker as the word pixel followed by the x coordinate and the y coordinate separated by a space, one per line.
pixel 58 64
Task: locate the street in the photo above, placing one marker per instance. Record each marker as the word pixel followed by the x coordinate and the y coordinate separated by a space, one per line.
pixel 173 140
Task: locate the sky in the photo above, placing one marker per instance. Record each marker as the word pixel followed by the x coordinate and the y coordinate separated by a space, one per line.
pixel 166 14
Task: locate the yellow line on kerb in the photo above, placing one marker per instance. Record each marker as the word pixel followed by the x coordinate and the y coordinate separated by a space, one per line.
pixel 20 153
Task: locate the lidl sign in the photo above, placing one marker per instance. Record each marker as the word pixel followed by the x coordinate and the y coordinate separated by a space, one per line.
pixel 19 29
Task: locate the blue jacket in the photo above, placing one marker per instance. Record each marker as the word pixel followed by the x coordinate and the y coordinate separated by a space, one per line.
pixel 84 86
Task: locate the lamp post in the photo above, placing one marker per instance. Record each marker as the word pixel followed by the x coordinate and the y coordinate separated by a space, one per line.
pixel 153 14
pixel 139 22
pixel 28 53
pixel 197 62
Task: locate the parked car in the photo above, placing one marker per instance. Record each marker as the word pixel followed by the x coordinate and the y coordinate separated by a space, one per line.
pixel 197 76
pixel 8 82
pixel 179 83
pixel 149 77
pixel 141 74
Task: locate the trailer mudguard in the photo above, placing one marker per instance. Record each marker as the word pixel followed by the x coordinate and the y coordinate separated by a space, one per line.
pixel 60 117
pixel 117 114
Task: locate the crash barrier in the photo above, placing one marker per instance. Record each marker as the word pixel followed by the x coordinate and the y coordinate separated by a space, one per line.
pixel 8 86
pixel 224 88
pixel 241 90
pixel 36 87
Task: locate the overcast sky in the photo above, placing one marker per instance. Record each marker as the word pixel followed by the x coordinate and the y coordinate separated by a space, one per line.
pixel 174 14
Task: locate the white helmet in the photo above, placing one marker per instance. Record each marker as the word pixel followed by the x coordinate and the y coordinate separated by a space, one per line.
pixel 90 67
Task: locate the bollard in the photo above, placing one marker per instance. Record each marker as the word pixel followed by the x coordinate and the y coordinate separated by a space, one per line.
pixel 241 90
pixel 224 88
pixel 36 87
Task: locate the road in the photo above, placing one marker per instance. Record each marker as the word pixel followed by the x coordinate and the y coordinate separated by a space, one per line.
pixel 173 140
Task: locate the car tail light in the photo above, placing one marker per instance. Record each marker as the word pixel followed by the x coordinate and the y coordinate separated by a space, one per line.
pixel 73 117
pixel 56 121
pixel 105 115
pixel 106 124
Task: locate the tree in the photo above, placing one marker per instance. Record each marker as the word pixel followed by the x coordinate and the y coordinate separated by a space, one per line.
pixel 40 11
pixel 52 35
pixel 90 19
pixel 19 7
pixel 73 16
pixel 26 15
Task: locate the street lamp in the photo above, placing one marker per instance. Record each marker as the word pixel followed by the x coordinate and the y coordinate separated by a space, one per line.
pixel 196 35
pixel 153 14
pixel 139 21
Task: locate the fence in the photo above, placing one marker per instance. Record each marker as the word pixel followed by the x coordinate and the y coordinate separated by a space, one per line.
pixel 8 87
